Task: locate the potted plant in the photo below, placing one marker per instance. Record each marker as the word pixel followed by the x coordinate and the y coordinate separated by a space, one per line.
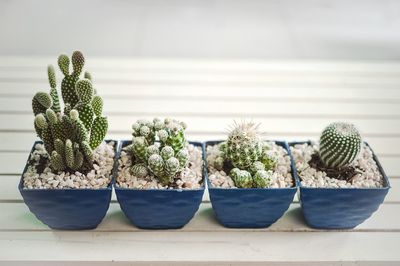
pixel 342 181
pixel 159 183
pixel 250 181
pixel 66 182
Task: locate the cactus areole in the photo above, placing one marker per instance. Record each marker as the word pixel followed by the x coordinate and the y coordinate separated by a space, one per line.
pixel 71 136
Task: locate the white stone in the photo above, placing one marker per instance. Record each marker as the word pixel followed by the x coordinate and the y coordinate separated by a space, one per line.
pixel 369 178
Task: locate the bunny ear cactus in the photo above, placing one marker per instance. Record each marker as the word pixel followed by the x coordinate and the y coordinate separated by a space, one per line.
pixel 165 158
pixel 70 137
pixel 340 144
pixel 249 155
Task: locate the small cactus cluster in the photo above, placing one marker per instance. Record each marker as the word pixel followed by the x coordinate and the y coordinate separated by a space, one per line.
pixel 70 136
pixel 158 147
pixel 252 162
pixel 340 144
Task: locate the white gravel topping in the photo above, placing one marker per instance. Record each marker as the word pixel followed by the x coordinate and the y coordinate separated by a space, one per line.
pixel 99 177
pixel 189 178
pixel 369 176
pixel 281 178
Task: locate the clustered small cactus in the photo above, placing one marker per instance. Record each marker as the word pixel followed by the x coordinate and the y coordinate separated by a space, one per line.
pixel 71 136
pixel 250 157
pixel 159 147
pixel 340 144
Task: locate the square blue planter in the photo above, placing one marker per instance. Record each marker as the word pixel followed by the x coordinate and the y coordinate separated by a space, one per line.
pixel 250 207
pixel 340 208
pixel 159 208
pixel 67 209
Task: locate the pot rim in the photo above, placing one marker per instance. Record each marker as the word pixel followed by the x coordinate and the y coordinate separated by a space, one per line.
pixel 380 168
pixel 64 190
pixel 281 143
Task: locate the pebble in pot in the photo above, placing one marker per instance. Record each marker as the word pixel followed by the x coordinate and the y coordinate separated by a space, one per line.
pixel 160 176
pixel 342 182
pixel 63 184
pixel 250 181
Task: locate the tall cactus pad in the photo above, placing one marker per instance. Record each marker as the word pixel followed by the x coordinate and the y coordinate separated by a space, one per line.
pixel 41 102
pixel 78 61
pixel 340 144
pixel 53 91
pixel 243 146
pixel 97 105
pixel 98 132
pixel 68 90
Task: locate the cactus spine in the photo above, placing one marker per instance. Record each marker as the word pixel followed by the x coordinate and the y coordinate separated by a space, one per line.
pixel 159 147
pixel 340 144
pixel 70 137
pixel 252 163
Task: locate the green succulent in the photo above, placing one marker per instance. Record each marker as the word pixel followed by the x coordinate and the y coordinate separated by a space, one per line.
pixel 159 147
pixel 70 137
pixel 250 157
pixel 339 145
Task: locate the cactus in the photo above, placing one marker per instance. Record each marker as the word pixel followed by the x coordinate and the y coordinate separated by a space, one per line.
pixel 68 89
pixel 70 137
pixel 165 158
pixel 340 144
pixel 250 157
pixel 243 146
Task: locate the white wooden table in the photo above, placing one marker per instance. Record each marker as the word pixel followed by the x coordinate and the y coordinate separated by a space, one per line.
pixel 292 100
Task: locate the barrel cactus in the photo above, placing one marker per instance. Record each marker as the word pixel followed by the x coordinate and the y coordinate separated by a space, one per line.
pixel 249 156
pixel 70 137
pixel 340 144
pixel 159 147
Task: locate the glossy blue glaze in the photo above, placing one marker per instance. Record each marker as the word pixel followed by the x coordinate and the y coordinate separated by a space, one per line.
pixel 67 209
pixel 250 207
pixel 340 208
pixel 159 208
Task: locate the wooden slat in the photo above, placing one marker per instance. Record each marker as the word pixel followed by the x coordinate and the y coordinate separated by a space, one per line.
pixel 218 78
pixel 275 125
pixel 228 108
pixel 197 246
pixel 225 92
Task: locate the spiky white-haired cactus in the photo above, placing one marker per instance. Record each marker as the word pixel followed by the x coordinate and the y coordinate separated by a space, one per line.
pixel 340 143
pixel 249 156
pixel 70 137
pixel 243 146
pixel 165 158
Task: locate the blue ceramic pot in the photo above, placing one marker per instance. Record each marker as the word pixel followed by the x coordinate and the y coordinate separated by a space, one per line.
pixel 159 208
pixel 250 207
pixel 67 209
pixel 340 208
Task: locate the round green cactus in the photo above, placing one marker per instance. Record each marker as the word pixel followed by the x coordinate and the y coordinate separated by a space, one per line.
pixel 340 143
pixel 243 146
